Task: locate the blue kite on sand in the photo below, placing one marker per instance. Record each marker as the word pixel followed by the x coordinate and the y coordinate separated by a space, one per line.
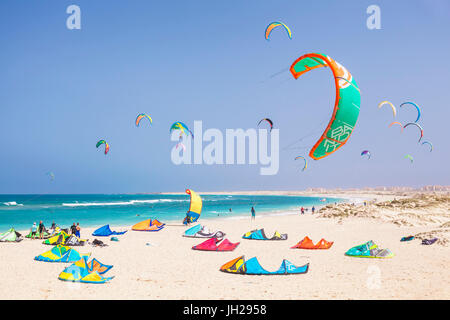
pixel 105 231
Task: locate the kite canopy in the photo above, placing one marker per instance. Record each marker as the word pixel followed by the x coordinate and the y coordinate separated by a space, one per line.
pixel 85 272
pixel 274 25
pixel 306 163
pixel 195 207
pixel 100 142
pixel 182 127
pixel 105 231
pixel 346 107
pixel 268 120
pixel 394 111
pixel 397 123
pixel 199 231
pixel 369 250
pixel 307 243
pixel 418 126
pixel 142 116
pixel 410 158
pixel 260 235
pixel 428 143
pixel 252 267
pixel 211 245
pixel 148 225
pixel 58 238
pixel 414 105
pixel 10 236
pixel 61 253
pixel 366 152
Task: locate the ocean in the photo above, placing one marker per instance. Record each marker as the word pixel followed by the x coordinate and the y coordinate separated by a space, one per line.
pixel 20 211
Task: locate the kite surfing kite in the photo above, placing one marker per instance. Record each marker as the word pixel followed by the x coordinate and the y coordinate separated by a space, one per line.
pixel 397 123
pixel 418 126
pixel 269 121
pixel 414 105
pixel 51 175
pixel 180 144
pixel 394 111
pixel 142 116
pixel 346 107
pixel 182 127
pixel 274 25
pixel 410 158
pixel 306 163
pixel 428 143
pixel 366 152
pixel 106 145
pixel 195 207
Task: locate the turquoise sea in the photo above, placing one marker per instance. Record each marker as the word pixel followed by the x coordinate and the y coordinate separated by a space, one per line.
pixel 20 211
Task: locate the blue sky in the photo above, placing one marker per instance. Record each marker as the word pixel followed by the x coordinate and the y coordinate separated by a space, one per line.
pixel 62 90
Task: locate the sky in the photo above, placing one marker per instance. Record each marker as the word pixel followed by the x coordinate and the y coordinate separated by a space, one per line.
pixel 63 90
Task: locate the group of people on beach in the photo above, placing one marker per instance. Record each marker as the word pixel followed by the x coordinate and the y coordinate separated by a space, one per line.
pixel 302 210
pixel 38 230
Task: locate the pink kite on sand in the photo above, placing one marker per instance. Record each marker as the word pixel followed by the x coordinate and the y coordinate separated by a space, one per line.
pixel 211 245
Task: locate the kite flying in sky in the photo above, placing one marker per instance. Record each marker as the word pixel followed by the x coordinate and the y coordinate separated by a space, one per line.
pixel 274 25
pixel 346 107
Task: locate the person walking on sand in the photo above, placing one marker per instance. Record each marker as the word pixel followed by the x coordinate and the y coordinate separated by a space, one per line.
pixel 313 210
pixel 41 229
pixel 302 210
pixel 78 229
pixel 33 230
pixel 253 213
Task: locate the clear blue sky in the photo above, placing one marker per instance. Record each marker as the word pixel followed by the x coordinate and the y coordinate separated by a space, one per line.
pixel 62 90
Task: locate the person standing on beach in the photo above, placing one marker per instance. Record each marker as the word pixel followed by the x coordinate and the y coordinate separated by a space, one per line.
pixel 33 230
pixel 302 210
pixel 73 229
pixel 313 209
pixel 78 229
pixel 253 213
pixel 41 229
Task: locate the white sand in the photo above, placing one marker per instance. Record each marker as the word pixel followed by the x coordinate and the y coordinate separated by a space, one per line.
pixel 170 269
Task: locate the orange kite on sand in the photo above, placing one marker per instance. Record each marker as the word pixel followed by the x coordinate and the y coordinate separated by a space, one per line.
pixel 148 225
pixel 307 243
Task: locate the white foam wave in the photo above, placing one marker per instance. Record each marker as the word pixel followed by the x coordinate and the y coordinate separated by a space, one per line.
pixel 119 203
pixel 12 203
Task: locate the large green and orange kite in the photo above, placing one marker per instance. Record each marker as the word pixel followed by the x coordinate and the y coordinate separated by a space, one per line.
pixel 346 107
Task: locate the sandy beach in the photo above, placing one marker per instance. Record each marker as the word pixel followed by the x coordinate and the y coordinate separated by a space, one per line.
pixel 170 269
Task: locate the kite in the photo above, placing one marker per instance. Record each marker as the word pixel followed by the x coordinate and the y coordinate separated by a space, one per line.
pixel 142 116
pixel 346 107
pixel 182 127
pixel 366 152
pixel 416 106
pixel 274 25
pixel 415 124
pixel 106 145
pixel 51 175
pixel 394 111
pixel 195 207
pixel 269 121
pixel 410 158
pixel 306 163
pixel 180 144
pixel 429 143
pixel 398 123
